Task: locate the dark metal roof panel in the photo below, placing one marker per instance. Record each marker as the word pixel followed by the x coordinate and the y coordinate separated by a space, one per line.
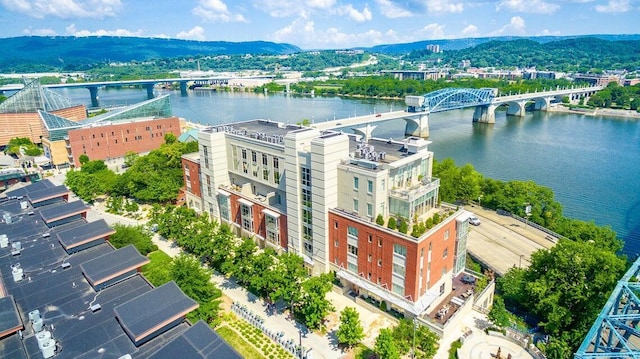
pixel 37 186
pixel 111 265
pixel 47 193
pixel 10 321
pixel 84 233
pixel 199 341
pixel 142 316
pixel 62 211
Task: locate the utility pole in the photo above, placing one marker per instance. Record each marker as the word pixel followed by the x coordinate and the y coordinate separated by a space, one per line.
pixel 413 350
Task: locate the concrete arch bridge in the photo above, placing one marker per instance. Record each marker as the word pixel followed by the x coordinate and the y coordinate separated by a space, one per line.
pixel 484 100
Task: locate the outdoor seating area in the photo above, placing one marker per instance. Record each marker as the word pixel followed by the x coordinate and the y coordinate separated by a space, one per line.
pixel 463 289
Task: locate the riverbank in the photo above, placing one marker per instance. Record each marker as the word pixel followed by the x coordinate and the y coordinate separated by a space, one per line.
pixel 606 112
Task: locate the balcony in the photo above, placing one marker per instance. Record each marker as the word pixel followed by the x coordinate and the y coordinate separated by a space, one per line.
pixel 412 192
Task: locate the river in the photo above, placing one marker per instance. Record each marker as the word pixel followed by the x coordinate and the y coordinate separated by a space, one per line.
pixel 591 163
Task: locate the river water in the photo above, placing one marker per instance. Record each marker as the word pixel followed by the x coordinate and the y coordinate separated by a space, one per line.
pixel 591 163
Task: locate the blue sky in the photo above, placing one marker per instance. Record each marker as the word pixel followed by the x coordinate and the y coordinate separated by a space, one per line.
pixel 318 24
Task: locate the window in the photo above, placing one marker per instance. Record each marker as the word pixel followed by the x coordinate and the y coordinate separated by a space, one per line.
pixel 254 157
pixel 446 234
pixel 205 151
pixel 398 289
pixel 356 183
pixel 352 231
pixel 273 232
pixel 445 253
pixel 305 174
pixel 247 217
pixel 265 174
pixel 400 250
pixel 244 154
pixel 306 198
pixel 223 203
pixel 276 163
pixel 276 177
pixel 370 238
pixel 379 262
pixel 335 224
pixel 308 248
pixel 335 243
pixel 398 269
pixel 382 184
pixel 352 267
pixel 369 258
pixel 352 249
pixel 355 205
pixel 369 209
pixel 369 186
pixel 264 160
pixel 379 242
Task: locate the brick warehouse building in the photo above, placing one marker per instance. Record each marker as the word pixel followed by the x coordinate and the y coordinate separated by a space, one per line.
pixel 320 194
pixel 112 140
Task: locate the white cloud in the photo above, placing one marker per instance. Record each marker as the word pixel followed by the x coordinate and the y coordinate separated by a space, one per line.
pixel 64 9
pixel 516 26
pixel 528 6
pixel 433 31
pixel 71 30
pixel 614 6
pixel 470 31
pixel 354 14
pixel 216 11
pixel 321 4
pixel 391 10
pixel 286 8
pixel 547 32
pixel 303 32
pixel 443 7
pixel 196 33
pixel 39 32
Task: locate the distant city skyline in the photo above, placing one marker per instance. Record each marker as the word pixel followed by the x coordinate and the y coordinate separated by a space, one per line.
pixel 317 24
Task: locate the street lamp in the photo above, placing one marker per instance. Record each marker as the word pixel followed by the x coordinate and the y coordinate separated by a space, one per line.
pixel 520 264
pixel 413 349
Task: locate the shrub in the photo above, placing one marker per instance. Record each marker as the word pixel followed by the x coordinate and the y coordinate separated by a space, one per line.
pixel 380 220
pixel 392 223
pixel 453 351
pixel 383 306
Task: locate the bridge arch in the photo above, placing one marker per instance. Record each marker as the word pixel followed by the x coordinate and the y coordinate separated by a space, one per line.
pixel 455 98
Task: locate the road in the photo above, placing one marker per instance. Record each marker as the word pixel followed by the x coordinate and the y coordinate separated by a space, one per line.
pixel 502 242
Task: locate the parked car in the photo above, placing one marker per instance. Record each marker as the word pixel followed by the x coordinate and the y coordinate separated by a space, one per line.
pixel 474 221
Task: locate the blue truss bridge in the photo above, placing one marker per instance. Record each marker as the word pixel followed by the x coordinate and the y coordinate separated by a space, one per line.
pixel 484 100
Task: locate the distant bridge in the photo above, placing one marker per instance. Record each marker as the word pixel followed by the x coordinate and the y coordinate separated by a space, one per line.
pixel 149 84
pixel 485 101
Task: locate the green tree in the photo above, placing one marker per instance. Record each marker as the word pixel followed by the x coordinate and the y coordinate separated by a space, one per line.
pixel 385 346
pixel 135 235
pixel 350 331
pixel 313 305
pixel 170 138
pixel 83 159
pixel 195 282
pixel 130 158
pixel 498 313
pixel 22 145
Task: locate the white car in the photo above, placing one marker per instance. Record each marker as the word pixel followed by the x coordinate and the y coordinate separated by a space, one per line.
pixel 474 221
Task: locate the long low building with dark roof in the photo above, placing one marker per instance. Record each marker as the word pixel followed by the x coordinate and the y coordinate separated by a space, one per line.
pixel 90 302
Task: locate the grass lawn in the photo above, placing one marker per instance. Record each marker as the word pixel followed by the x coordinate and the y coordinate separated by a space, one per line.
pixel 242 346
pixel 363 352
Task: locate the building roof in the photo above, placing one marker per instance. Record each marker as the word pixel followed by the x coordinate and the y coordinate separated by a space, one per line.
pixel 264 130
pixel 112 265
pixel 83 233
pixel 199 341
pixel 33 97
pixel 81 320
pixel 151 311
pixel 10 321
pixel 191 135
pixel 62 211
pixel 47 193
pixel 52 122
pixel 37 186
pixel 159 107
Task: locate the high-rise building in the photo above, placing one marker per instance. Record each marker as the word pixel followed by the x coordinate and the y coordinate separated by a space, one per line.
pixel 332 198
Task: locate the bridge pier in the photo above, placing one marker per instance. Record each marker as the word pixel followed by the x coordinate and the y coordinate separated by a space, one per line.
pixel 366 132
pixel 93 90
pixel 542 104
pixel 417 127
pixel 485 114
pixel 149 88
pixel 516 108
pixel 183 88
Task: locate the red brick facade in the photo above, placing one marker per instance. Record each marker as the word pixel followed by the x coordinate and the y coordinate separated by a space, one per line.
pixel 375 253
pixel 115 140
pixel 259 222
pixel 192 180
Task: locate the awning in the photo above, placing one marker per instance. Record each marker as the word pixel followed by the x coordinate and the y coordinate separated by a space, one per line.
pixel 271 213
pixel 416 308
pixel 223 192
pixel 245 202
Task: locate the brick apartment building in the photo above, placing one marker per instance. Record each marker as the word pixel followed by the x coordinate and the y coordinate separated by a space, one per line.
pixel 318 194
